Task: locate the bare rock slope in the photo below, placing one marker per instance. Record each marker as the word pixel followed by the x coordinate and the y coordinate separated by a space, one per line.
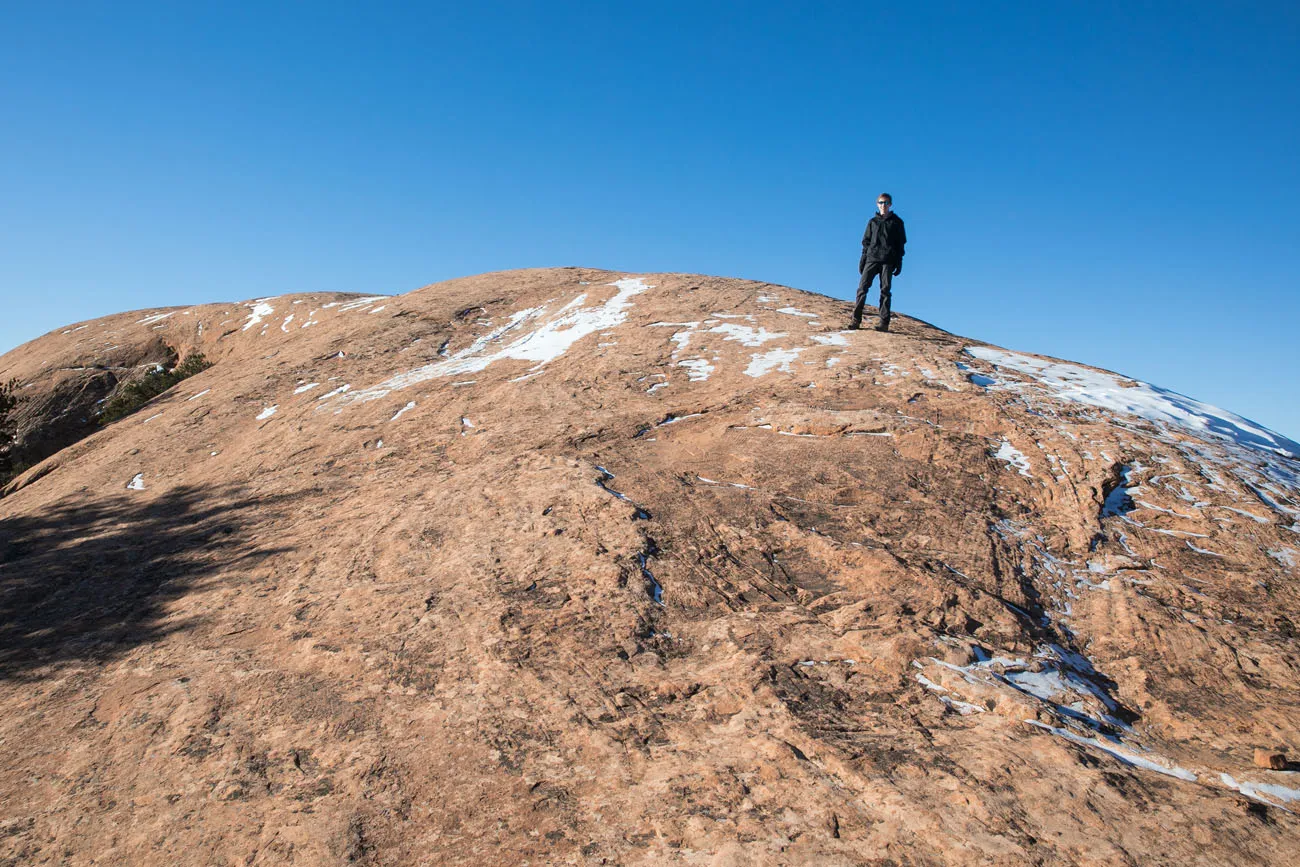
pixel 569 566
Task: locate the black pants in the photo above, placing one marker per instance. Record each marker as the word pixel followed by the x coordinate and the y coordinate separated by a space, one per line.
pixel 886 272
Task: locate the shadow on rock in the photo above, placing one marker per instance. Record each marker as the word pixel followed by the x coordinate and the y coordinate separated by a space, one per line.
pixel 88 580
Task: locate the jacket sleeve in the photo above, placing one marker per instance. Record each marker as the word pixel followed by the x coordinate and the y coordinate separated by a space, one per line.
pixel 902 239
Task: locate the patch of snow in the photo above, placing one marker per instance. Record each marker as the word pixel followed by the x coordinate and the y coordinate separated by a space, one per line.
pixel 550 340
pixel 466 422
pixel 1128 758
pixel 308 387
pixel 981 380
pixel 284 326
pixel 725 484
pixel 137 483
pixel 408 407
pixel 1120 500
pixel 1110 391
pixel 658 385
pixel 342 389
pixel 360 302
pixel 151 418
pixel 268 412
pixel 836 339
pixel 1285 556
pixel 790 311
pixel 765 299
pixel 762 363
pixel 1203 551
pixel 463 382
pixel 745 334
pixel 1256 518
pixel 260 311
pixel 697 369
pixel 380 307
pixel 1268 793
pixel 1013 456
pixel 197 396
pixel 149 320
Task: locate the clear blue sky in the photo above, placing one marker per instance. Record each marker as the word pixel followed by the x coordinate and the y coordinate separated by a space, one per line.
pixel 1113 183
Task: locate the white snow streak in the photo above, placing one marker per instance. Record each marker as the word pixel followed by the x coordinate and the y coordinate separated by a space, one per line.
pixel 548 341
pixel 1013 456
pixel 1110 391
pixel 777 359
pixel 260 311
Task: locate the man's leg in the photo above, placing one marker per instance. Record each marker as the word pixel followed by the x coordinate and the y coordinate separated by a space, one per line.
pixel 886 281
pixel 864 286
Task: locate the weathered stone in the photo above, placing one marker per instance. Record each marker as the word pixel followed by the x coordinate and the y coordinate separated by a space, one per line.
pixel 741 591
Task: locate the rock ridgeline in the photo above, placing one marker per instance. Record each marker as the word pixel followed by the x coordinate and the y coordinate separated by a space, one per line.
pixel 571 566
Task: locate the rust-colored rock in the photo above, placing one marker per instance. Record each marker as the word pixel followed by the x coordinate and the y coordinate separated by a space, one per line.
pixel 1271 759
pixel 568 566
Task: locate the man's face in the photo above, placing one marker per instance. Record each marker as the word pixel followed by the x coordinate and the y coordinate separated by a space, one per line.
pixel 883 206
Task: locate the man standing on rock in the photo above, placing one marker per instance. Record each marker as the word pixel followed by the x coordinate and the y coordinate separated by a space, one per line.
pixel 882 253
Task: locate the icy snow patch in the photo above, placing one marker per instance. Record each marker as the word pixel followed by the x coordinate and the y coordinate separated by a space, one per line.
pixel 793 312
pixel 776 359
pixel 1120 500
pixel 547 342
pixel 308 387
pixel 1128 758
pixel 361 302
pixel 267 413
pixel 1013 456
pixel 340 390
pixel 745 334
pixel 1285 556
pixel 1278 795
pixel 149 320
pixel 137 483
pixel 409 406
pixel 197 396
pixel 1110 391
pixel 697 370
pixel 836 339
pixel 260 311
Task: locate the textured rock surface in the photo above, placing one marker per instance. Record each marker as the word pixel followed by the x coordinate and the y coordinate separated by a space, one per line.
pixel 567 566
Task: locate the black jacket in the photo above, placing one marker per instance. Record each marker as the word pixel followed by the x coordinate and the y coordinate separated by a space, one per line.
pixel 884 240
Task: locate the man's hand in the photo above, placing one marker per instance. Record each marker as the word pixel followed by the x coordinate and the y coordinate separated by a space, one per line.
pixel 898 269
pixel 862 262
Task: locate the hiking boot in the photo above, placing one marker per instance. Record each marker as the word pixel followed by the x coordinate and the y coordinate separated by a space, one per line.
pixel 884 326
pixel 852 325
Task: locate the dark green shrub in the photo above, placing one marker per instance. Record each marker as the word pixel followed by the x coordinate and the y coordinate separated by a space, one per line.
pixel 136 394
pixel 9 399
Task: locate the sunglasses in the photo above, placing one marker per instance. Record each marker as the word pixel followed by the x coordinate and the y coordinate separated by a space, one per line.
pixel 883 202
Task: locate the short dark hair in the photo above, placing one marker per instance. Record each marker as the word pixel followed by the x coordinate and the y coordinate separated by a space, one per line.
pixel 887 197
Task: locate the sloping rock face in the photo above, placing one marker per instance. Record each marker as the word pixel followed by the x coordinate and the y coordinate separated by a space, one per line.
pixel 569 566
